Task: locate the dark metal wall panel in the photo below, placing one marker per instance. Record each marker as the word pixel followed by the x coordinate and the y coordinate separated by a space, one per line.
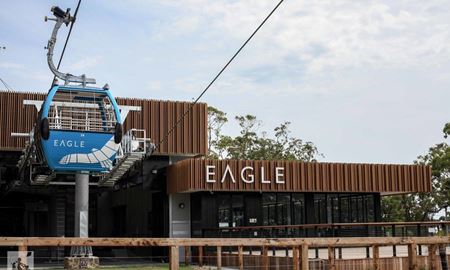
pixel 156 117
pixel 190 175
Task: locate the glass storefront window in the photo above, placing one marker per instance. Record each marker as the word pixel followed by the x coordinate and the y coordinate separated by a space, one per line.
pixel 354 209
pixel 230 210
pixel 333 208
pixel 361 209
pixel 237 210
pixel 269 201
pixel 283 209
pixel 345 209
pixel 370 208
pixel 320 208
pixel 224 210
pixel 298 205
pixel 289 208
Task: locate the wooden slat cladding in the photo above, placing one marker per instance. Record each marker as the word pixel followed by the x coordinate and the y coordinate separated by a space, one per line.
pixel 156 117
pixel 190 176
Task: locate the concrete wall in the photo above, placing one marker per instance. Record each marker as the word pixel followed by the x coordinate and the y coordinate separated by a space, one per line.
pixel 180 217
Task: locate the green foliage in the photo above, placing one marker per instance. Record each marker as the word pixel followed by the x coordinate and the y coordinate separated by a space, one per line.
pixel 411 207
pixel 216 120
pixel 252 144
pixel 423 206
pixel 446 130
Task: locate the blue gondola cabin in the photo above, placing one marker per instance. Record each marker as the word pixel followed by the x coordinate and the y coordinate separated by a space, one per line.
pixel 80 129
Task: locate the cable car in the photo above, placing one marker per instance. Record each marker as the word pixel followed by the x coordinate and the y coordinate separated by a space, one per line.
pixel 79 129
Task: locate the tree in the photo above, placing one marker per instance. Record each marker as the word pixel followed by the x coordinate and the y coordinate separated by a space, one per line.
pixel 424 206
pixel 446 130
pixel 216 120
pixel 253 144
pixel 245 145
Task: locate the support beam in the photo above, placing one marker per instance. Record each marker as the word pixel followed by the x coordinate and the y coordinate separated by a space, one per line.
pixel 219 258
pixel 187 255
pixel 23 250
pixel 81 205
pixel 376 257
pixel 81 226
pixel 331 258
pixel 443 256
pixel 200 256
pixel 412 256
pixel 432 257
pixel 304 257
pixel 174 258
pixel 241 257
pixel 265 258
pixel 295 258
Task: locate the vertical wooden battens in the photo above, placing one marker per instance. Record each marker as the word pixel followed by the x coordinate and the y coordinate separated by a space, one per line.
pixel 190 175
pixel 156 117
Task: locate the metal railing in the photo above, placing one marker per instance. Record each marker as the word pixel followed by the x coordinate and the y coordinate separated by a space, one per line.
pixel 135 141
pixel 81 111
pixel 87 124
pixel 403 229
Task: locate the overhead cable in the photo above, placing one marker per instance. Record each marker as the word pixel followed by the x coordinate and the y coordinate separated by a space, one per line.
pixel 216 77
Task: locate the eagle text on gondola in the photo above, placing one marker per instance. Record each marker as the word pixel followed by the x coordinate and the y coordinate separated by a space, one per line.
pixel 68 143
pixel 246 175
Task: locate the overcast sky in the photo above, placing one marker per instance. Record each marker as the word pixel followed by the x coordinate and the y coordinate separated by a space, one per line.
pixel 366 81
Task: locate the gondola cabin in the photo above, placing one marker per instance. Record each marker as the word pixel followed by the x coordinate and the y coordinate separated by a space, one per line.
pixel 80 129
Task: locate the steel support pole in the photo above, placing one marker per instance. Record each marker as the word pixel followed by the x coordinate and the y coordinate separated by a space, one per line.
pixel 81 228
pixel 81 205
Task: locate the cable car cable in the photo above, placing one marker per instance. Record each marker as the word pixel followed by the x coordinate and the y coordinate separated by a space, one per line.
pixel 8 87
pixel 216 77
pixel 68 37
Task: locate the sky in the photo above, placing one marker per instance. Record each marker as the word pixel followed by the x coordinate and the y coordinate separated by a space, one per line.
pixel 366 81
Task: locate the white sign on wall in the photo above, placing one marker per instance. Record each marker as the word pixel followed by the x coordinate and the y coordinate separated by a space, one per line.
pixel 246 175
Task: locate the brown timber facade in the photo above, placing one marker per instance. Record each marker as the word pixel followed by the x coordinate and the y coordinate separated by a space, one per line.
pixel 156 117
pixel 191 176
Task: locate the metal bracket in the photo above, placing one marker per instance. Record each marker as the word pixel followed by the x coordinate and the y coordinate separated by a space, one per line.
pixel 62 17
pixel 124 110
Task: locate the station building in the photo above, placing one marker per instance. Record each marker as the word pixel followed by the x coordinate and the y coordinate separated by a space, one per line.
pixel 177 192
